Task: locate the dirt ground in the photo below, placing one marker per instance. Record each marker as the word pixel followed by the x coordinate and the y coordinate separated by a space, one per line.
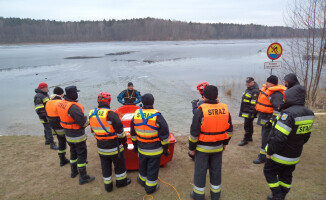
pixel 30 170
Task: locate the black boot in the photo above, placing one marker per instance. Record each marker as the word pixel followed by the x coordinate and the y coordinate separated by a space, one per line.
pixel 142 183
pixel 243 142
pixel 260 160
pixel 54 146
pixel 74 171
pixel 271 197
pixel 151 192
pixel 84 177
pixel 63 160
pixel 108 187
pixel 125 183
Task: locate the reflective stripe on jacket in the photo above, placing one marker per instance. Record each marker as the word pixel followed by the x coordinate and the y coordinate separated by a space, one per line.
pixel 68 122
pixel 99 132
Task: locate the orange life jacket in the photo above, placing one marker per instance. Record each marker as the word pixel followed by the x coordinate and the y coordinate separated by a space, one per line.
pixel 263 104
pixel 68 122
pixel 99 132
pixel 215 122
pixel 51 107
pixel 145 133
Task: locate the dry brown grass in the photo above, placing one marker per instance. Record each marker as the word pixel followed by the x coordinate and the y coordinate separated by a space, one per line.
pixel 30 170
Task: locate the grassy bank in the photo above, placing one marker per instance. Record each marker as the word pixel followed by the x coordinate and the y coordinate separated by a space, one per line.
pixel 30 170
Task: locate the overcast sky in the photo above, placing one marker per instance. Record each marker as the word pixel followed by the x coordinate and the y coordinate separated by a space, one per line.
pixel 265 12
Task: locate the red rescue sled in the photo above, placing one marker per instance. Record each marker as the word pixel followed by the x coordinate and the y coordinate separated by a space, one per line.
pixel 126 113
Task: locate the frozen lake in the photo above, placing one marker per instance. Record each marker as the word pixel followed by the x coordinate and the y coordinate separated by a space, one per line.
pixel 168 70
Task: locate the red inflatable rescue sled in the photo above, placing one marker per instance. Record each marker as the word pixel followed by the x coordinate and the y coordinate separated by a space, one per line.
pixel 126 113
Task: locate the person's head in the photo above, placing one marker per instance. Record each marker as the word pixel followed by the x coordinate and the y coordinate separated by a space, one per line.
pixel 104 98
pixel 58 91
pixel 290 80
pixel 130 86
pixel 72 92
pixel 271 81
pixel 43 87
pixel 147 99
pixel 201 86
pixel 211 92
pixel 250 82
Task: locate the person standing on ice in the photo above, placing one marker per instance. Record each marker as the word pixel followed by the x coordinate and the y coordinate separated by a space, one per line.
pixel 129 96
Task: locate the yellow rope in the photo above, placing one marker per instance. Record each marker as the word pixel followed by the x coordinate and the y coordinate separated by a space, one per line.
pixel 151 197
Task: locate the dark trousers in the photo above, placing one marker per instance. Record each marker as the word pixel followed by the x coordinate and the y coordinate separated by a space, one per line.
pixel 62 144
pixel 119 169
pixel 265 132
pixel 78 153
pixel 213 162
pixel 249 128
pixel 48 133
pixel 148 171
pixel 279 177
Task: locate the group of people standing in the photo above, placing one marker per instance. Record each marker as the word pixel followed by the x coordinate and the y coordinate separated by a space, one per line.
pixel 286 127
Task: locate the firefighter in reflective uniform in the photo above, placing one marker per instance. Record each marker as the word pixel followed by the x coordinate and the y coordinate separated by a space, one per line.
pixel 53 116
pixel 196 103
pixel 291 130
pixel 210 132
pixel 40 100
pixel 108 131
pixel 150 136
pixel 74 122
pixel 271 96
pixel 247 109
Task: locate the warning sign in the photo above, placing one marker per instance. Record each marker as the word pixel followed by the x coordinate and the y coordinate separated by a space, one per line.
pixel 274 51
pixel 273 65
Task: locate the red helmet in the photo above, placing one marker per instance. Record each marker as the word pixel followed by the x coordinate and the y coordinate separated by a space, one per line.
pixel 104 97
pixel 201 86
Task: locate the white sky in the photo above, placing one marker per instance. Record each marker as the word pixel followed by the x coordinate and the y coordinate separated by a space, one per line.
pixel 265 12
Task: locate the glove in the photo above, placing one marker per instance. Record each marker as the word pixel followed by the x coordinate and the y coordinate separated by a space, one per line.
pixel 166 152
pixel 194 102
pixel 45 119
pixel 268 124
pixel 136 149
pixel 125 145
pixel 191 156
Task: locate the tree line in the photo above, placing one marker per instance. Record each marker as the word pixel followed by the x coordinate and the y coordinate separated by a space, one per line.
pixel 16 30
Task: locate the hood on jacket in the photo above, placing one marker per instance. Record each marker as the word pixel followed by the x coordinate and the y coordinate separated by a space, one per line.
pixel 40 91
pixel 291 79
pixel 296 95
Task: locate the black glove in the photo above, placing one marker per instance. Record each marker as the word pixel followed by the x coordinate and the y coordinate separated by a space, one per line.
pixel 125 146
pixel 268 124
pixel 136 149
pixel 166 152
pixel 191 156
pixel 45 119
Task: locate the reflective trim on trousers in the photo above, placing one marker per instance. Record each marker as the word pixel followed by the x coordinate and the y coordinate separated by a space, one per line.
pixel 262 151
pixel 209 149
pixel 142 177
pixel 62 151
pixel 73 161
pixel 81 165
pixel 58 132
pixel 151 152
pixel 215 188
pixel 76 139
pixel 285 185
pixel 273 185
pixel 107 180
pixel 199 190
pixel 151 183
pixel 121 176
pixel 284 160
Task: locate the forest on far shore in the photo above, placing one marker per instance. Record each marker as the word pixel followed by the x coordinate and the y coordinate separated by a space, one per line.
pixel 16 30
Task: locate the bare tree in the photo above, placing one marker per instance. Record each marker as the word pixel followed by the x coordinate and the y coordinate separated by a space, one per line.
pixel 306 55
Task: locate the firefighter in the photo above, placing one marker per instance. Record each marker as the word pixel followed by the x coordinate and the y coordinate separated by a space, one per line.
pixel 291 130
pixel 150 136
pixel 270 97
pixel 247 109
pixel 210 132
pixel 111 141
pixel 196 103
pixel 74 122
pixel 40 100
pixel 53 116
pixel 129 96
